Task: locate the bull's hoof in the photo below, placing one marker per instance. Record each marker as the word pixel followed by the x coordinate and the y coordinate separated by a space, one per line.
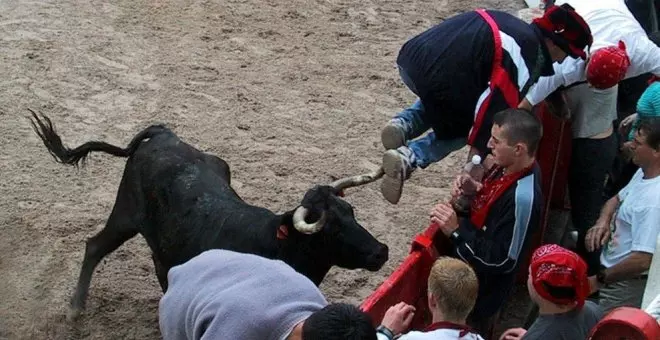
pixel 73 314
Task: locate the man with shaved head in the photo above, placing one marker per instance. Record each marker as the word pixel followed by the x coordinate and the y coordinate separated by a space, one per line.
pixel 504 214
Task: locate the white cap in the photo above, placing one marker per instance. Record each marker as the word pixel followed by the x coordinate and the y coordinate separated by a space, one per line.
pixel 476 159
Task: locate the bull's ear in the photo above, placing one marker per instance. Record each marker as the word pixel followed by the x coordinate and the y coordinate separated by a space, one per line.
pixel 341 193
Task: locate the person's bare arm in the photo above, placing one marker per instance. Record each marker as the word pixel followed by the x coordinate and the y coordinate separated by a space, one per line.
pixel 632 266
pixel 600 232
pixel 608 211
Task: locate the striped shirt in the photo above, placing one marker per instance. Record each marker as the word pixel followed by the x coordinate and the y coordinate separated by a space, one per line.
pixel 450 67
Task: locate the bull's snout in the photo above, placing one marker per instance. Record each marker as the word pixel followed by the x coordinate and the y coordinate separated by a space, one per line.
pixel 377 259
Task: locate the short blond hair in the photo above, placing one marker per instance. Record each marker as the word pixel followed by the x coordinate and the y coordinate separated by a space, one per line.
pixel 454 286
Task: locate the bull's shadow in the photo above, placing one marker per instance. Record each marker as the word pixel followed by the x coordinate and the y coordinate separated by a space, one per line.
pixel 181 201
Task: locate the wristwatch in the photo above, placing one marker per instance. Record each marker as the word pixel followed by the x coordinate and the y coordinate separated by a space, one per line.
pixel 385 331
pixel 600 276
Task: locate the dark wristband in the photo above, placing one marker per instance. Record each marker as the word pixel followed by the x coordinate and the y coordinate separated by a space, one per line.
pixel 385 331
pixel 600 276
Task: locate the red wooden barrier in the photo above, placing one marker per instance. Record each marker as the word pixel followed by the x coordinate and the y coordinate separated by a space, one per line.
pixel 626 323
pixel 408 283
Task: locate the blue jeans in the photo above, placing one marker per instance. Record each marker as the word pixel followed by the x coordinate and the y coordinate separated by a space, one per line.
pixel 427 149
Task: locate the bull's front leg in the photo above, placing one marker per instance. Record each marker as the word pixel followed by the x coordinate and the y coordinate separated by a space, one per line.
pixel 161 273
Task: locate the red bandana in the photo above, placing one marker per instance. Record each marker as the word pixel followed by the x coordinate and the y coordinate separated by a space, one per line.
pixel 494 185
pixel 608 66
pixel 559 267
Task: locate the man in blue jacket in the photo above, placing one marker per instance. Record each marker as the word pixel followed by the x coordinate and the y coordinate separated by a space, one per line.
pixel 503 216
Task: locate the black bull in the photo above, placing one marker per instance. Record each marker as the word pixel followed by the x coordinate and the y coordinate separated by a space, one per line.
pixel 180 200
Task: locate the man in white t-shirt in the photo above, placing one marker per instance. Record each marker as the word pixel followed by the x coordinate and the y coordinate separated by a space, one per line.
pixel 628 226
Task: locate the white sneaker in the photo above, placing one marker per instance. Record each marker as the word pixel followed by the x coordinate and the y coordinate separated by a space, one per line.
pixel 397 168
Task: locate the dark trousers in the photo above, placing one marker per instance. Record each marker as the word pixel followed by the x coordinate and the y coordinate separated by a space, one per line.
pixel 591 160
pixel 645 13
pixel 627 172
pixel 623 169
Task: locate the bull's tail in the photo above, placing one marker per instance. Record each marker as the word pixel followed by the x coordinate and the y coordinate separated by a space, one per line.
pixel 43 126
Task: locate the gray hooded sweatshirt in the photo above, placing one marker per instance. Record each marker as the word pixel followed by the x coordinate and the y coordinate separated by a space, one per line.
pixel 221 294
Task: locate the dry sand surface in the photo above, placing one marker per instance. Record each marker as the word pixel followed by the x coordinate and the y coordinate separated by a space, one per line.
pixel 290 93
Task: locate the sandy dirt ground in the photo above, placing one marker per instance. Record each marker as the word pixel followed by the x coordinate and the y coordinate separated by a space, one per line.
pixel 290 93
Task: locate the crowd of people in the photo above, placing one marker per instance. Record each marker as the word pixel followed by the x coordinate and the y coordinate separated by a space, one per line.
pixel 478 77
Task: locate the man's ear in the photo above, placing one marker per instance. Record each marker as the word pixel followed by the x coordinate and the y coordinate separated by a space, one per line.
pixel 431 301
pixel 520 149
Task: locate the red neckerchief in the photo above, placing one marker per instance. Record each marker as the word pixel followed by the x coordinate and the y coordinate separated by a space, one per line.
pixel 653 78
pixel 449 325
pixel 494 185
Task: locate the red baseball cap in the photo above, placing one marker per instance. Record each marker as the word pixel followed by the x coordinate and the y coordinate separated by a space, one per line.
pixel 566 28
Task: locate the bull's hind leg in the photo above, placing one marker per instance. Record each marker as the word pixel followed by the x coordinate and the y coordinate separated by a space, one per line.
pixel 119 229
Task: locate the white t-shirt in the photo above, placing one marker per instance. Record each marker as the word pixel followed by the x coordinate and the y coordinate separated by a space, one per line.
pixel 636 222
pixel 653 308
pixel 609 21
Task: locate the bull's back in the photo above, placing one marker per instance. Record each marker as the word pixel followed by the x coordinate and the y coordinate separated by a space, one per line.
pixel 189 205
pixel 166 160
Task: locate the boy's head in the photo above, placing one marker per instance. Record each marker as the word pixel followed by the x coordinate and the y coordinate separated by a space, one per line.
pixel 339 321
pixel 558 276
pixel 453 288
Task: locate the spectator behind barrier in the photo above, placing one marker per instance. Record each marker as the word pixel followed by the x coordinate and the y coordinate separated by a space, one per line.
pixel 452 292
pixel 628 226
pixel 558 284
pixel 504 214
pixel 648 105
pixel 621 50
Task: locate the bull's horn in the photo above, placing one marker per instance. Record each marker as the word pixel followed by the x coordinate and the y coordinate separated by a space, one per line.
pixel 354 181
pixel 304 227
